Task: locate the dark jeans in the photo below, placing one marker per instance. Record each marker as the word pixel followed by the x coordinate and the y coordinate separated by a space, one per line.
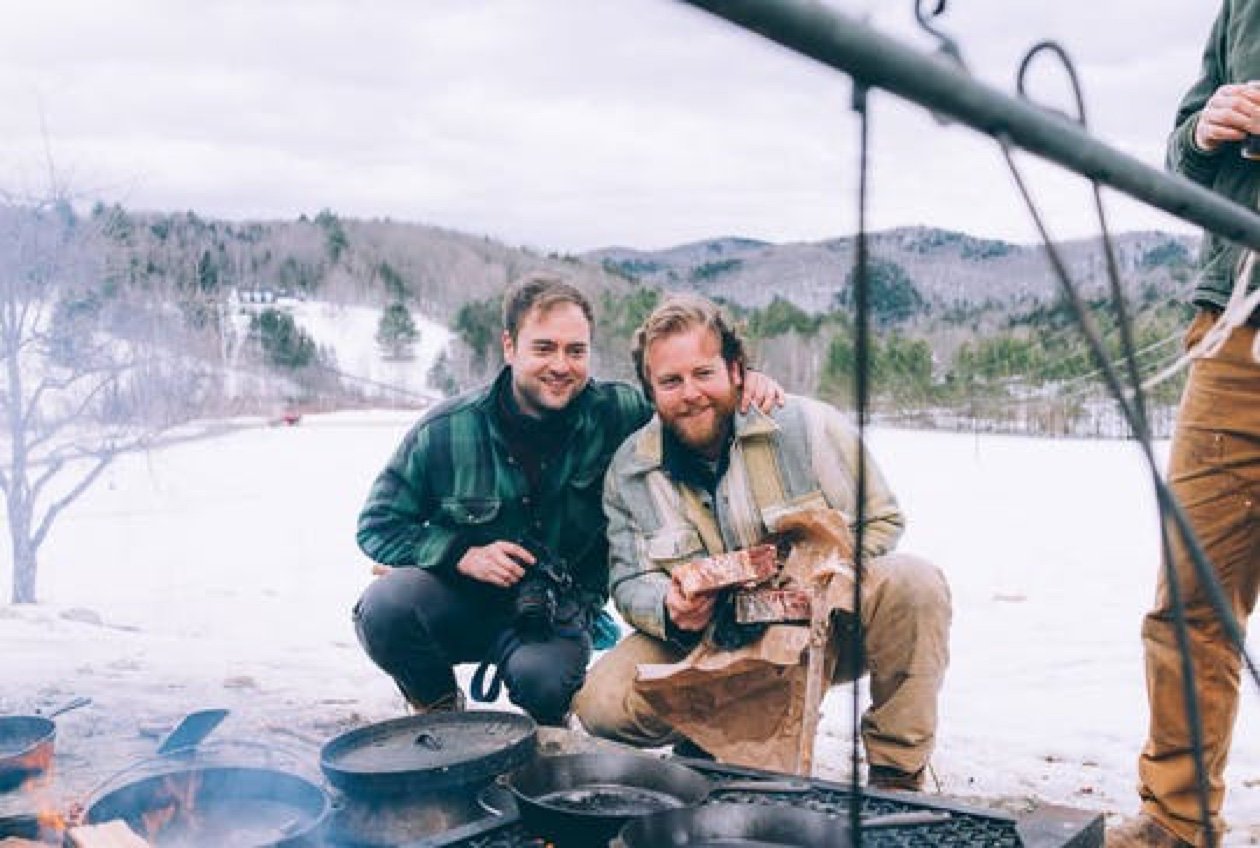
pixel 416 625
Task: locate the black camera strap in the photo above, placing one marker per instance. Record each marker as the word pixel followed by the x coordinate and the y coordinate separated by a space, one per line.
pixel 503 648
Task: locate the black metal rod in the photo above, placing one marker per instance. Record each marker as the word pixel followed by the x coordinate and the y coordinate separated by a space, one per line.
pixel 941 86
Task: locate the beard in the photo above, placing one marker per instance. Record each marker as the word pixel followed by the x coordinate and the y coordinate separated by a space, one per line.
pixel 704 428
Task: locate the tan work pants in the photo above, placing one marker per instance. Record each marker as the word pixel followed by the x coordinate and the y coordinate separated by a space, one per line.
pixel 906 612
pixel 1214 471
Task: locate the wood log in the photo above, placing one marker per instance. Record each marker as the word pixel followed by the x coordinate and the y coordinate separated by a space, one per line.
pixel 110 834
pixel 707 575
pixel 770 606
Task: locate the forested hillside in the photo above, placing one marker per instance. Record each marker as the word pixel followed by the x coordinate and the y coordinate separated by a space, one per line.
pixel 968 331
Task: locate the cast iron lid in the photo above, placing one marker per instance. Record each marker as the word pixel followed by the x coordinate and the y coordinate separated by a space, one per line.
pixel 430 752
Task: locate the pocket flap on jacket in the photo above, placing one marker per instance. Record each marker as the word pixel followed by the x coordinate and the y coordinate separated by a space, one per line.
pixel 772 516
pixel 674 543
pixel 470 510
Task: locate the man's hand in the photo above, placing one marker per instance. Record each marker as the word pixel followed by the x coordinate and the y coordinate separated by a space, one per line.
pixel 1230 114
pixel 498 563
pixel 689 614
pixel 761 391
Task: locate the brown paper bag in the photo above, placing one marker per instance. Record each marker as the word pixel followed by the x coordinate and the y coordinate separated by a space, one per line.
pixel 747 706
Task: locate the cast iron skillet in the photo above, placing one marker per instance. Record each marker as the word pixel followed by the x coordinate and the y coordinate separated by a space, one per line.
pixel 584 799
pixel 735 825
pixel 428 753
pixel 236 806
pixel 26 744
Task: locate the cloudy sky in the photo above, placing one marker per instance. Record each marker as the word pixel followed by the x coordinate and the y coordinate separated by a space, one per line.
pixel 559 124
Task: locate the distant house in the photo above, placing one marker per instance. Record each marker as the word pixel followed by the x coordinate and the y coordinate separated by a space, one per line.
pixel 256 295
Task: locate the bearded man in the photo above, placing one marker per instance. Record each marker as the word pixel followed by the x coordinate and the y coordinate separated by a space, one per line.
pixel 703 478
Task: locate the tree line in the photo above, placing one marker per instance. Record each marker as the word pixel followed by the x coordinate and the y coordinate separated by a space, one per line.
pixel 1029 370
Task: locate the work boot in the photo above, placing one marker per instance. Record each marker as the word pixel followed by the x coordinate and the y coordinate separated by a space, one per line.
pixel 892 779
pixel 1143 832
pixel 451 702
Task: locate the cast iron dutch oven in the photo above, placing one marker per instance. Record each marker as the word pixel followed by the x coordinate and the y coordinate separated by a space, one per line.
pixel 218 805
pixel 735 825
pixel 428 753
pixel 584 799
pixel 26 744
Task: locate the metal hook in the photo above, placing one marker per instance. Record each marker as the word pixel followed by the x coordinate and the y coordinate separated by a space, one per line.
pixel 946 45
pixel 1069 67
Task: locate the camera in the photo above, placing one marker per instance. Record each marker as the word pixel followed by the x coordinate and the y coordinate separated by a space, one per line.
pixel 538 594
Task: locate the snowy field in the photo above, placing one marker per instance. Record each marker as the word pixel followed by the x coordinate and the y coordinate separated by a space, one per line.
pixel 221 572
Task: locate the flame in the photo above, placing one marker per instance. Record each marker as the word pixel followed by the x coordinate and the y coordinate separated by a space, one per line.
pixel 175 801
pixel 36 787
pixel 52 820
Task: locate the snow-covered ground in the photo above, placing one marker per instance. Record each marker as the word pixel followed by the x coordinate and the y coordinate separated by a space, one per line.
pixel 221 573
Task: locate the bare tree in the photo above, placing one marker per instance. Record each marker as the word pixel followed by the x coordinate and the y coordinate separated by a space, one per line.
pixel 69 388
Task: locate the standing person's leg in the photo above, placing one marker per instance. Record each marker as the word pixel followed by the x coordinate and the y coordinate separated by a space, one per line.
pixel 1214 471
pixel 906 612
pixel 416 625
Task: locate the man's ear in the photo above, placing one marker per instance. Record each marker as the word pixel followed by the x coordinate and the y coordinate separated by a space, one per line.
pixel 737 371
pixel 509 347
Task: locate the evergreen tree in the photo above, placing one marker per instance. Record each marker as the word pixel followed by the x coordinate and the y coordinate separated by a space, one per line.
pixel 479 324
pixel 284 344
pixel 396 332
pixel 892 296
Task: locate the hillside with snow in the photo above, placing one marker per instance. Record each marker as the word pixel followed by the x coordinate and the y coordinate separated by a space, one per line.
pixel 347 334
pixel 350 331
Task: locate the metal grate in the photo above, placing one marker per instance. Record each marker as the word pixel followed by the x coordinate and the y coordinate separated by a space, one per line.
pixel 967 827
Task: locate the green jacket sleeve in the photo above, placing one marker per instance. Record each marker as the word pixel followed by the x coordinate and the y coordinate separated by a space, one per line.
pixel 1183 155
pixel 396 517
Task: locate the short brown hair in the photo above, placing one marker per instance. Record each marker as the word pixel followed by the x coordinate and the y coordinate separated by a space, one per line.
pixel 540 290
pixel 679 313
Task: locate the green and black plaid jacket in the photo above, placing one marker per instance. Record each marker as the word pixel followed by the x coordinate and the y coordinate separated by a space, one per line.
pixel 452 484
